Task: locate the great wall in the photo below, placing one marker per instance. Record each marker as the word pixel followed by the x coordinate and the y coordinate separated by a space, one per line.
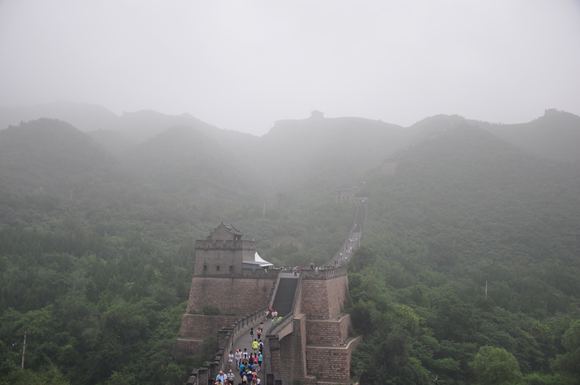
pixel 309 345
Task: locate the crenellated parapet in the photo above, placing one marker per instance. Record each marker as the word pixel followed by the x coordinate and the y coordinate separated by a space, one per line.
pixel 324 274
pixel 224 244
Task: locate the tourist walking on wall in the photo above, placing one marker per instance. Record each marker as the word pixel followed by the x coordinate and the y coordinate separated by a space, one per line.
pixel 231 378
pixel 244 378
pixel 238 358
pixel 249 376
pixel 254 378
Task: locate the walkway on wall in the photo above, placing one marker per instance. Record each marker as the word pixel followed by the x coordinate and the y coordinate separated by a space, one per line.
pixel 245 341
pixel 283 305
pixel 285 294
pixel 352 243
pixel 284 302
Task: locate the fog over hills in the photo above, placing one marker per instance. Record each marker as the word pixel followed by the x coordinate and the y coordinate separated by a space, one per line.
pixel 187 158
pixel 131 129
pixel 553 135
pixel 83 116
pixel 53 155
pixel 99 228
pixel 185 161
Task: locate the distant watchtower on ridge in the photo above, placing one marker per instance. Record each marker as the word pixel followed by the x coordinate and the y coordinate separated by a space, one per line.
pixel 315 114
pixel 222 252
pixel 344 194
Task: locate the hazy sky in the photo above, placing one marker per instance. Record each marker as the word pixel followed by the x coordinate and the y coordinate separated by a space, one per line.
pixel 241 65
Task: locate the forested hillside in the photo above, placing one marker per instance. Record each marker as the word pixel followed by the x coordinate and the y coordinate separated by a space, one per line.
pixel 307 157
pixel 83 116
pixel 465 210
pixel 185 163
pixel 97 235
pixel 97 253
pixel 554 135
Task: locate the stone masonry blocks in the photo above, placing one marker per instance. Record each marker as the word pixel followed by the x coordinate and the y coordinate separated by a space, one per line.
pixel 239 296
pixel 189 346
pixel 323 299
pixel 328 332
pixel 200 326
pixel 330 362
pixel 292 364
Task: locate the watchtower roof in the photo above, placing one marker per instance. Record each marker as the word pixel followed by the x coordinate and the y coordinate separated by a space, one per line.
pixel 230 229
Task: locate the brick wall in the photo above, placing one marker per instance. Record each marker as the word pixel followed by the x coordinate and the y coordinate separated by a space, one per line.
pixel 324 298
pixel 189 346
pixel 330 362
pixel 200 326
pixel 328 332
pixel 275 361
pixel 239 296
pixel 292 363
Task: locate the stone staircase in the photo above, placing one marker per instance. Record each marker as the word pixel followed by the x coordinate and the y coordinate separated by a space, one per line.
pixel 285 296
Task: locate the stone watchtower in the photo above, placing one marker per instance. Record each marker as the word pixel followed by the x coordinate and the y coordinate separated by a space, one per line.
pixel 229 279
pixel 315 114
pixel 222 252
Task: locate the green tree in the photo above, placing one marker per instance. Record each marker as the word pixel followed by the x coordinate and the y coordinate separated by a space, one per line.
pixel 121 379
pixel 496 366
pixel 51 376
pixel 570 362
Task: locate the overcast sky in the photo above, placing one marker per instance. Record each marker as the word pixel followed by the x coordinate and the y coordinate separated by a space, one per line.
pixel 241 65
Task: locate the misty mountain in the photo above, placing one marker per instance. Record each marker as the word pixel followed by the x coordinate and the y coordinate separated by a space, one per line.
pixel 132 127
pixel 480 239
pixel 112 141
pixel 299 159
pixel 83 116
pixel 142 125
pixel 138 127
pixel 553 135
pixel 53 157
pixel 318 155
pixel 186 162
pixel 457 206
pixel 478 204
pixel 556 135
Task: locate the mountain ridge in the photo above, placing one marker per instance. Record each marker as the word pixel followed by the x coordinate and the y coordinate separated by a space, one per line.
pixel 113 238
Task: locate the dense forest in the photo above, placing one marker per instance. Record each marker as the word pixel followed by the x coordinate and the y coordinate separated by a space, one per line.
pixel 472 244
pixel 470 252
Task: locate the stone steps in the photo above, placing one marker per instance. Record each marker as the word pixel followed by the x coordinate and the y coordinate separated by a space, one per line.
pixel 285 296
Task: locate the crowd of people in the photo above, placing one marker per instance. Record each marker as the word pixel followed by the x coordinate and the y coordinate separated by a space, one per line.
pixel 247 363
